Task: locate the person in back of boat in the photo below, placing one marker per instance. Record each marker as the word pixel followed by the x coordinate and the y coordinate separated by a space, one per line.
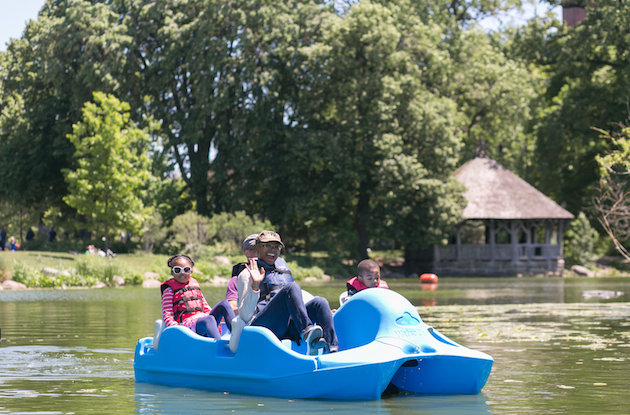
pixel 249 249
pixel 183 302
pixel 269 297
pixel 368 276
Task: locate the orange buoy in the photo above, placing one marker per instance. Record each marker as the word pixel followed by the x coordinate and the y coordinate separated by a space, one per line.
pixel 428 278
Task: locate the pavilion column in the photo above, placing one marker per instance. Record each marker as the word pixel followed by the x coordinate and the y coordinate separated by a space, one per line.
pixel 561 236
pixel 492 240
pixel 514 240
pixel 548 227
pixel 527 225
pixel 458 247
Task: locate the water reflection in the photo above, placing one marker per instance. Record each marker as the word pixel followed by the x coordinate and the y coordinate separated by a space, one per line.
pixel 162 399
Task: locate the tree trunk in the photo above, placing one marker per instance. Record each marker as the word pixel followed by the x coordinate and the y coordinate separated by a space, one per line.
pixel 361 219
pixel 106 224
pixel 83 233
pixel 21 238
pixel 199 169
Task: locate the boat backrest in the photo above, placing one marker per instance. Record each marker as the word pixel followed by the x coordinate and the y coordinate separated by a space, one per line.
pixel 159 327
pixel 372 313
pixel 343 297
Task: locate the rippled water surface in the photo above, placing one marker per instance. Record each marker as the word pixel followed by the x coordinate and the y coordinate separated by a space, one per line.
pixel 560 347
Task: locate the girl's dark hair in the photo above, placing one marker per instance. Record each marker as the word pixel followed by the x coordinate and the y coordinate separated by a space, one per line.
pixel 172 259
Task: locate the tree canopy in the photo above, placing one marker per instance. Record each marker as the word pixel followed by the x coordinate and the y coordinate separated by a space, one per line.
pixel 613 200
pixel 340 122
pixel 586 84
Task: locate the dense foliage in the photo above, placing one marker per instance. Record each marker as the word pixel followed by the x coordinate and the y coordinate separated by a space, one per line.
pixel 340 123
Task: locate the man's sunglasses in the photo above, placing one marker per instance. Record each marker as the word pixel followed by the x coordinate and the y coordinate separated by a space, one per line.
pixel 272 245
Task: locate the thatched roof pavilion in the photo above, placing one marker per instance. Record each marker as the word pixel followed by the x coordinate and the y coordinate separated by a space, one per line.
pixel 511 228
pixel 493 192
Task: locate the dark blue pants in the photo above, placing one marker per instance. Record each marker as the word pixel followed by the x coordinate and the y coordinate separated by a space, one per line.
pixel 287 308
pixel 283 307
pixel 319 312
pixel 207 326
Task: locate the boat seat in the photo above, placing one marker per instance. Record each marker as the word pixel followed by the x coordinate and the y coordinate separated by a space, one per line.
pixel 343 297
pixel 159 327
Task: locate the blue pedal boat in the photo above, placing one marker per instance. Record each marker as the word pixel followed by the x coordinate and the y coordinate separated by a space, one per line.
pixel 382 340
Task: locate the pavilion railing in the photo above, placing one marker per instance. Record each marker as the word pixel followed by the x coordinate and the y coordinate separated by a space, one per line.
pixel 502 252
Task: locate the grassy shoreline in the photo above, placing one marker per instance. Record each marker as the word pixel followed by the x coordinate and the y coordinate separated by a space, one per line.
pixel 51 269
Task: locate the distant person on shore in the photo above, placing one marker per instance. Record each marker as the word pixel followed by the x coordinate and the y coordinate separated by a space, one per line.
pixel 183 302
pixel 368 276
pixel 29 234
pixel 3 239
pixel 249 249
pixel 13 244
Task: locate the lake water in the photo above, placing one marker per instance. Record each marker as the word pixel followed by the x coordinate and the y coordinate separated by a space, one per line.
pixel 561 346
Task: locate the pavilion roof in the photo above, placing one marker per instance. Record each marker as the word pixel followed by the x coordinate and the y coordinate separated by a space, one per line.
pixel 493 192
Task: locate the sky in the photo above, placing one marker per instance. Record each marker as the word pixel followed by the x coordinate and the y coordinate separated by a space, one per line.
pixel 13 17
pixel 531 8
pixel 15 13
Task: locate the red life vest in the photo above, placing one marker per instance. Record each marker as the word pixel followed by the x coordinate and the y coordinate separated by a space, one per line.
pixel 354 285
pixel 187 298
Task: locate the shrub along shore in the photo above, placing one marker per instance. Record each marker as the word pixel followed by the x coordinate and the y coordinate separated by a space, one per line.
pixel 43 269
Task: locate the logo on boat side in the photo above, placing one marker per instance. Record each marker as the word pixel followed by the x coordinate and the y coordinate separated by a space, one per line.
pixel 406 332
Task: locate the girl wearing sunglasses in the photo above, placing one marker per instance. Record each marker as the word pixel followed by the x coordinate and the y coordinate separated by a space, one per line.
pixel 183 302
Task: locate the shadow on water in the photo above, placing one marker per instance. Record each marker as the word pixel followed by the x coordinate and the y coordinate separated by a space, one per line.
pixel 167 400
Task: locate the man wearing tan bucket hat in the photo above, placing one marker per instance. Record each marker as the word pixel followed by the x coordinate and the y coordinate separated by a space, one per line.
pixel 269 297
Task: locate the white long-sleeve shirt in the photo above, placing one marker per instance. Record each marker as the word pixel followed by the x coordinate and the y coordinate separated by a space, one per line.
pixel 247 300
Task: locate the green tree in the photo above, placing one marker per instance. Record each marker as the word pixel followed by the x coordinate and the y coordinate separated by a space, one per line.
pixel 222 77
pixel 112 167
pixel 494 93
pixel 267 168
pixel 580 241
pixel 587 79
pixel 613 201
pixel 386 139
pixel 72 49
pixel 189 60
